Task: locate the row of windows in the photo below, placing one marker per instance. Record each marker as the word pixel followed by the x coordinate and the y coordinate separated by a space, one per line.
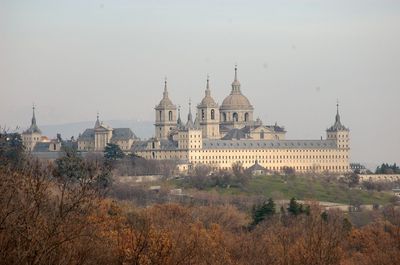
pixel 272 157
pixel 301 168
pixel 270 150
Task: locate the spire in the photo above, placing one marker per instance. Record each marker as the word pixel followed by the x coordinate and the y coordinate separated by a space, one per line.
pixel 337 126
pixel 33 128
pixel 189 124
pixel 208 91
pixel 235 72
pixel 97 124
pixel 236 83
pixel 33 123
pixel 337 112
pixel 165 88
pixel 179 121
pixel 190 110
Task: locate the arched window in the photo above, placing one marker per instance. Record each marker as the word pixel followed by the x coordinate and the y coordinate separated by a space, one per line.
pixel 262 134
pixel 160 115
pixel 202 114
pixel 212 114
pixel 170 115
pixel 224 116
pixel 235 117
pixel 246 117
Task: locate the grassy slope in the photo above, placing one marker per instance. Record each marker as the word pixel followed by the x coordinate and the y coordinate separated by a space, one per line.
pixel 304 188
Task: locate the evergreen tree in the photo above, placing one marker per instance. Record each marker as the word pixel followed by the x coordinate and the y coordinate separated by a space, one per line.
pixel 262 211
pixel 113 152
pixel 294 208
pixel 12 152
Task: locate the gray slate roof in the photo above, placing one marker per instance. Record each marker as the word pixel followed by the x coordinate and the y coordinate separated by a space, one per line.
pixel 87 135
pixel 268 144
pixel 245 144
pixel 164 145
pixel 236 134
pixel 123 134
pixel 256 166
pixel 118 134
pixel 41 147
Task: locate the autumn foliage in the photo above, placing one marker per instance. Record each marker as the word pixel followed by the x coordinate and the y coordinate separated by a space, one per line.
pixel 46 218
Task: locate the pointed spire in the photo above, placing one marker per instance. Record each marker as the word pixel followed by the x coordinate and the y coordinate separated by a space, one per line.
pixel 33 122
pixel 189 123
pixel 337 119
pixel 97 124
pixel 33 128
pixel 179 121
pixel 208 91
pixel 165 88
pixel 236 83
pixel 337 126
pixel 190 109
pixel 235 72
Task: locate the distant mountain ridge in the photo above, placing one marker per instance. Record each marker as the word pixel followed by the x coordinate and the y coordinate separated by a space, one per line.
pixel 142 129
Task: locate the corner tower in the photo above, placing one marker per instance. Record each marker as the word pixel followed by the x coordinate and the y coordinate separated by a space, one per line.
pixel 339 132
pixel 165 116
pixel 208 115
pixel 33 134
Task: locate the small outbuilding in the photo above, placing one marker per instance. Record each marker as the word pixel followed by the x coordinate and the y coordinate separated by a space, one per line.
pixel 257 169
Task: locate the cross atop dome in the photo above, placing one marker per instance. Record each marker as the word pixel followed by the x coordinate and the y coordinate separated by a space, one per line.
pixel 236 83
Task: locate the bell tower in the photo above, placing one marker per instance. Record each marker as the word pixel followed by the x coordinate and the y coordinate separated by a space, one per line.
pixel 165 113
pixel 208 115
pixel 339 132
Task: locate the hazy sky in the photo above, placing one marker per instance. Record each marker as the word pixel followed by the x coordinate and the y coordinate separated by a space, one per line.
pixel 295 58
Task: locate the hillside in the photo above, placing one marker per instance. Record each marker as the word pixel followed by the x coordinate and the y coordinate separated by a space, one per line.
pixel 302 188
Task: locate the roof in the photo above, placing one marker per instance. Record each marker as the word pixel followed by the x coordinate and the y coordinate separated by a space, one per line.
pixel 164 145
pixel 268 144
pixel 117 134
pixel 41 147
pixel 337 126
pixel 165 102
pixel 208 101
pixel 123 134
pixel 256 166
pixel 33 128
pixel 236 134
pixel 236 100
pixel 88 134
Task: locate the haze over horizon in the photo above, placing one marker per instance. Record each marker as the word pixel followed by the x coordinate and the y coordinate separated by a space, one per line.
pixel 295 59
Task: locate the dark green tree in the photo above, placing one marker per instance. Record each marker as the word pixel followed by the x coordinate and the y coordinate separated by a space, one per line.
pixel 71 167
pixel 263 211
pixel 113 152
pixel 296 208
pixel 12 151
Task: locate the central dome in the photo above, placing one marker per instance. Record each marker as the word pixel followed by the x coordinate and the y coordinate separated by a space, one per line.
pixel 236 101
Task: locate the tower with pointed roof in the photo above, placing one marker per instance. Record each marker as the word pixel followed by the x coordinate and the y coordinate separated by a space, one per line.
pixel 33 134
pixel 166 119
pixel 236 110
pixel 339 132
pixel 189 123
pixel 208 115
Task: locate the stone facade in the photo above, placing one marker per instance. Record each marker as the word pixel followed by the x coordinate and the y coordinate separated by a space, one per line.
pixel 32 135
pixel 96 139
pixel 220 137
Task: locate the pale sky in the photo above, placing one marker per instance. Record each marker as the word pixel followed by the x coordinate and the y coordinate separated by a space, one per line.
pixel 295 59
